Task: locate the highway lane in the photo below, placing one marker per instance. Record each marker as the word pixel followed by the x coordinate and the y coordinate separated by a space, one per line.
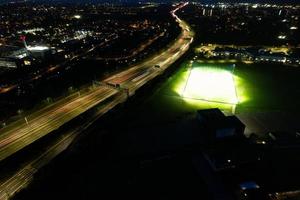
pixel 21 136
pixel 23 176
pixel 180 46
pixel 17 136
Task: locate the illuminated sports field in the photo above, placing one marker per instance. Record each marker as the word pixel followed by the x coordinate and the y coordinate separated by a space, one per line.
pixel 211 83
pixel 256 90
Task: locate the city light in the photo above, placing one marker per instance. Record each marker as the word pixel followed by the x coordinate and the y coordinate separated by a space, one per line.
pixel 224 100
pixel 27 62
pixel 211 84
pixel 281 37
pixel 77 16
pixel 37 48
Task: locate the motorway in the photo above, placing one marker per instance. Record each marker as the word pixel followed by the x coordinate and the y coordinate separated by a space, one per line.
pixel 14 183
pixel 21 133
pixel 49 120
pixel 137 76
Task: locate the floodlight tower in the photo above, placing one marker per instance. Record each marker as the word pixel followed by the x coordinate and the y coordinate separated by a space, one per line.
pixel 233 68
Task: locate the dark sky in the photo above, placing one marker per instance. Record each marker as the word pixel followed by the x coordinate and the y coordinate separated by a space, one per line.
pixel 132 1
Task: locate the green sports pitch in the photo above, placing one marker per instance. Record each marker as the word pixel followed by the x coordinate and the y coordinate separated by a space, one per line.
pixel 247 88
pixel 214 83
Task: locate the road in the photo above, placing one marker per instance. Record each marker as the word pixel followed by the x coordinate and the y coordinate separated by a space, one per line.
pixel 51 119
pixel 23 176
pixel 129 79
pixel 19 134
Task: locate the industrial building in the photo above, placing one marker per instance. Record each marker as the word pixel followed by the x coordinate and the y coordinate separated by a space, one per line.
pixel 14 57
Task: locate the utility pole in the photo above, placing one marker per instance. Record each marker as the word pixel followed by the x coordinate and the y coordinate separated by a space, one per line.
pixel 26 120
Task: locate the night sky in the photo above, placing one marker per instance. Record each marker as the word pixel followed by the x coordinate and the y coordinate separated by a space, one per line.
pixel 133 1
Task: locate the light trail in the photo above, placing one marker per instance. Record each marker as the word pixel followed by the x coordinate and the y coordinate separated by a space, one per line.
pixel 18 135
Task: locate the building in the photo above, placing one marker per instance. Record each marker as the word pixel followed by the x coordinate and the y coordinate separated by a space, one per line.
pixel 217 126
pixel 14 57
pixel 40 52
pixel 12 63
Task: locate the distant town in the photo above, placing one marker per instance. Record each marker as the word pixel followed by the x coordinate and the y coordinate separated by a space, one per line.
pixel 149 100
